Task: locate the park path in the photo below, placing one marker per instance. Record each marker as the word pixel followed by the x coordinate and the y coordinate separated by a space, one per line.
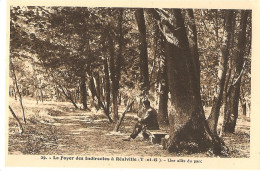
pixel 82 133
pixel 76 132
pixel 57 128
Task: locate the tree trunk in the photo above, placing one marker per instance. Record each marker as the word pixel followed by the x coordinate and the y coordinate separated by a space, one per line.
pixel 67 95
pixel 97 94
pixel 83 90
pixel 107 88
pixel 186 115
pixel 91 85
pixel 98 88
pixel 16 118
pixel 14 90
pixel 120 99
pixel 163 98
pixel 119 122
pixel 18 91
pixel 214 114
pixel 77 94
pixel 139 14
pixel 231 114
pixel 113 77
pixel 117 68
pixel 194 45
pixel 244 108
pixel 225 93
pixel 119 61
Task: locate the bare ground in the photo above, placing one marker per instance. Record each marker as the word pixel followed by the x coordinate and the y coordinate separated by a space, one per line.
pixel 57 128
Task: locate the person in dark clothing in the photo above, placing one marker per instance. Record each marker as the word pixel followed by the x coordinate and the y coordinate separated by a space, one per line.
pixel 148 122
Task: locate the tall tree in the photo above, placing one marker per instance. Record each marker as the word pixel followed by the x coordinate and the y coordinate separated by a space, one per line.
pixel 214 115
pixel 139 14
pixel 186 114
pixel 113 75
pixel 118 63
pixel 231 113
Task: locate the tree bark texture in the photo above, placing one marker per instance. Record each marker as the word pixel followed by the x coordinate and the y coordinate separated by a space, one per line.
pixel 186 115
pixel 95 90
pixel 231 113
pixel 194 45
pixel 83 90
pixel 118 65
pixel 214 114
pixel 107 89
pixel 119 61
pixel 92 87
pixel 163 98
pixel 113 70
pixel 139 14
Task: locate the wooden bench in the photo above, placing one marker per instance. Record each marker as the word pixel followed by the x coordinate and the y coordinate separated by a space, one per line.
pixel 156 135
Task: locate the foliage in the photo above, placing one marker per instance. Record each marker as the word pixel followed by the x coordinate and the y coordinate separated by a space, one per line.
pixel 52 46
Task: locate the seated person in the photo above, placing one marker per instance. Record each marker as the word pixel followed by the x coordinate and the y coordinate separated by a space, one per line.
pixel 148 122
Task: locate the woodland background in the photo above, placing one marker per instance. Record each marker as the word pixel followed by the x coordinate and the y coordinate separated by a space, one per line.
pixel 78 72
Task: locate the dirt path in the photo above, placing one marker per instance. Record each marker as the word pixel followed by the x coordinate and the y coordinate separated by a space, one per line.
pixel 57 128
pixel 78 132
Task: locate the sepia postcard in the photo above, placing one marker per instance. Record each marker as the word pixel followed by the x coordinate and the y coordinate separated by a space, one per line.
pixel 132 84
